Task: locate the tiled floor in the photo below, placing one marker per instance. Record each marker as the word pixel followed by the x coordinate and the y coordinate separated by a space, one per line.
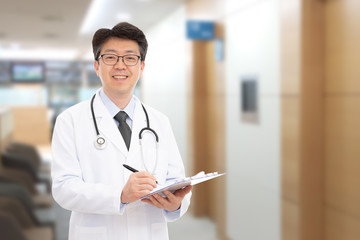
pixel 191 228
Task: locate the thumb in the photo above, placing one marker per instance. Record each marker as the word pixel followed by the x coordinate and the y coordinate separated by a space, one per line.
pixel 182 192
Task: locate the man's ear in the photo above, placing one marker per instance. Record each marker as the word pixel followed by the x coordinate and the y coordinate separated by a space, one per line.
pixel 142 66
pixel 96 66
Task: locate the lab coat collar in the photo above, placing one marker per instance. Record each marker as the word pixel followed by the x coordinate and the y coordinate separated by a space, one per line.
pixel 107 126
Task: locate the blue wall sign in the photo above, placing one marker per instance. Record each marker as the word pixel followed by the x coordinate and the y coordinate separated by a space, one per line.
pixel 200 30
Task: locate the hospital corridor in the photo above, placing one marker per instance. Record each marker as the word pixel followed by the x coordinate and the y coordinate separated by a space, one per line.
pixel 265 91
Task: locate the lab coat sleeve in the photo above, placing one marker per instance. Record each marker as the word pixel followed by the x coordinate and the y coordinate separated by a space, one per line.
pixel 175 171
pixel 68 187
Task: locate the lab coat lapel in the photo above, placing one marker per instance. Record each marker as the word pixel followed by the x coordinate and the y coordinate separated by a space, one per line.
pixel 139 122
pixel 107 126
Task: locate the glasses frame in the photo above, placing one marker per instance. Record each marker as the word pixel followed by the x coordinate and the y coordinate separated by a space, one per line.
pixel 122 58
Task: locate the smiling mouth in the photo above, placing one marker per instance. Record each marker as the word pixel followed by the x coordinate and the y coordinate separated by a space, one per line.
pixel 120 77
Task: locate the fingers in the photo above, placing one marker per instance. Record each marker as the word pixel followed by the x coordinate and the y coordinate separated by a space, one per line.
pixel 143 178
pixel 138 185
pixel 144 174
pixel 158 201
pixel 182 192
pixel 171 202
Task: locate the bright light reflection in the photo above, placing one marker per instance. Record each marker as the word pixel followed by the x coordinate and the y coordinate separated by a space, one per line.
pixel 90 18
pixel 38 54
pixel 126 17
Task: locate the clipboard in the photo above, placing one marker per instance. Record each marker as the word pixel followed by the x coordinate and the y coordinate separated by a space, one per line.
pixel 175 185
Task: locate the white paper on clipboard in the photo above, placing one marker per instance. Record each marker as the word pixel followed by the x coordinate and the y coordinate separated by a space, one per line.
pixel 175 185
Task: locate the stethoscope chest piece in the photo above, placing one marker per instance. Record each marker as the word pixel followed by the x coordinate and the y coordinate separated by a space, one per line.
pixel 100 143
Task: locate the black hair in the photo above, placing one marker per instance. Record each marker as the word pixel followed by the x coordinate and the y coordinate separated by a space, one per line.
pixel 122 30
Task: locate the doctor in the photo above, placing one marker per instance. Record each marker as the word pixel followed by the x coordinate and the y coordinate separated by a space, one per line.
pixel 89 151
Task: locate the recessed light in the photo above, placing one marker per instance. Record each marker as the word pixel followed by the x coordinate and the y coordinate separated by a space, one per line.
pixel 123 16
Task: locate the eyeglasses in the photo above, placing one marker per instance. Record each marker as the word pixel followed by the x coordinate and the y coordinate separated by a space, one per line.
pixel 112 59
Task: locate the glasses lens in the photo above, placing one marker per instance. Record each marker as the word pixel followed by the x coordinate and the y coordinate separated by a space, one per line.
pixel 131 60
pixel 109 59
pixel 112 59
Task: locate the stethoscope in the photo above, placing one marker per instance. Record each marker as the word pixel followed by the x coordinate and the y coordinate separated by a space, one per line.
pixel 100 142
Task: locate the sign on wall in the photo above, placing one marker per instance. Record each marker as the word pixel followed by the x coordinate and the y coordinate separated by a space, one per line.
pixel 200 30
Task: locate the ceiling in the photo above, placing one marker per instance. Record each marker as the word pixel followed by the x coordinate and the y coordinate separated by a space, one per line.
pixel 55 29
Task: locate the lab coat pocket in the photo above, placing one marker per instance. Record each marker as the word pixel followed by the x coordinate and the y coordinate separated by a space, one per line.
pixel 90 233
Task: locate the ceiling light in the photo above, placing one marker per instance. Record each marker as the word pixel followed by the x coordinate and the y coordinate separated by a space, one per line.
pixel 91 16
pixel 39 54
pixel 123 17
pixel 15 46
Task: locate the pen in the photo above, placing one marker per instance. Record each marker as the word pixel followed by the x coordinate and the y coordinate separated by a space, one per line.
pixel 132 169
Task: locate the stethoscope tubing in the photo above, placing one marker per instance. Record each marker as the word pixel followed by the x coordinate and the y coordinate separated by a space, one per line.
pixel 93 115
pixel 100 141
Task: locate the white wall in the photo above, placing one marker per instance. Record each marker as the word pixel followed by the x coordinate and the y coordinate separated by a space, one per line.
pixel 253 150
pixel 164 82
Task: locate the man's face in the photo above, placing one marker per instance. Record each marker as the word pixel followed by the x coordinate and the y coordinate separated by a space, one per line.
pixel 119 79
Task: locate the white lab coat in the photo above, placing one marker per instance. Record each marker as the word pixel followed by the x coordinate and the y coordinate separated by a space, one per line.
pixel 89 181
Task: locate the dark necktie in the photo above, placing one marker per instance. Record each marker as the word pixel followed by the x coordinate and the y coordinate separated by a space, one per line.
pixel 124 127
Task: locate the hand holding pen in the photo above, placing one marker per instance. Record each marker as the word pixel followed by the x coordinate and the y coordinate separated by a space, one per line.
pixel 138 185
pixel 133 169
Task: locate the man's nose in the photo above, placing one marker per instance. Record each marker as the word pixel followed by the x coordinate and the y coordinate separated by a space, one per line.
pixel 120 63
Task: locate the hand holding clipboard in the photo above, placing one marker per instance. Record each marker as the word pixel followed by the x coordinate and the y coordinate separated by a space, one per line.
pixel 175 185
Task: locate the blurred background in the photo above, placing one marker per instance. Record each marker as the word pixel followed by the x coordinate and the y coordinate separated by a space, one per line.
pixel 267 91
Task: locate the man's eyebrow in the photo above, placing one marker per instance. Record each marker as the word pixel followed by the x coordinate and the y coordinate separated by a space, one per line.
pixel 110 50
pixel 130 51
pixel 114 51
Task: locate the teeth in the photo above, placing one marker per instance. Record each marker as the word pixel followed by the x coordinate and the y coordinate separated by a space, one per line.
pixel 120 77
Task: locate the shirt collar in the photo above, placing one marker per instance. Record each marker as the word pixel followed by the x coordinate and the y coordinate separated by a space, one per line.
pixel 113 109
